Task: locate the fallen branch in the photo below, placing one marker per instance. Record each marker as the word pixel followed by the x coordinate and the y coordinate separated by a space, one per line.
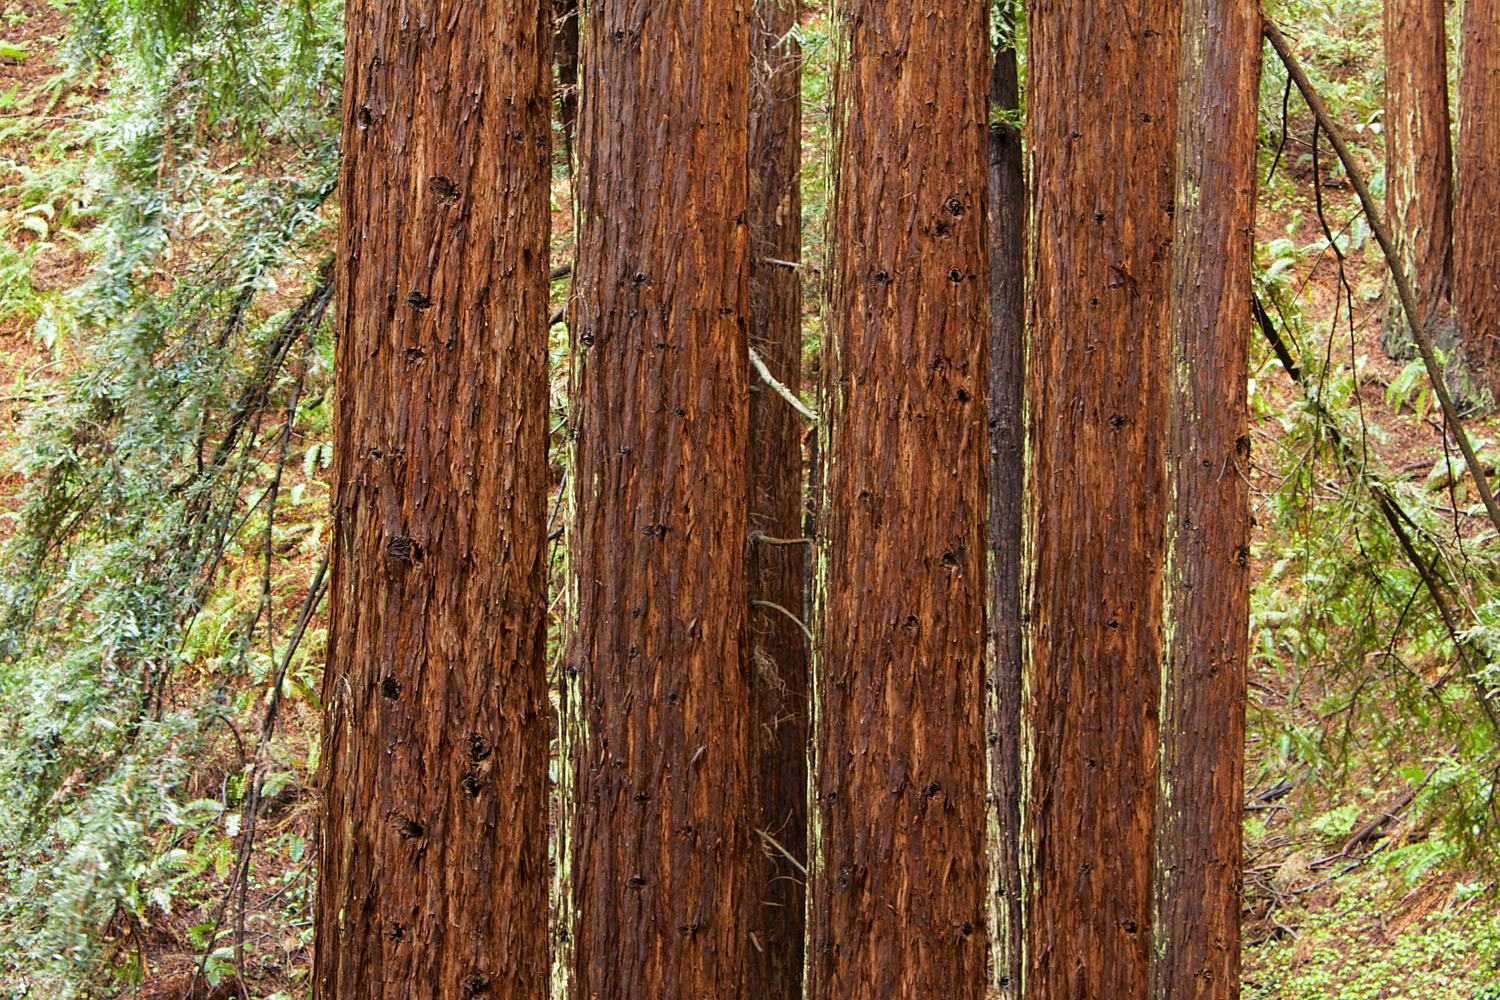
pixel 1398 274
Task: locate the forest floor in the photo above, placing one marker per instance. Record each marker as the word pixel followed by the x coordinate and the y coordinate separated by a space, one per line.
pixel 1325 917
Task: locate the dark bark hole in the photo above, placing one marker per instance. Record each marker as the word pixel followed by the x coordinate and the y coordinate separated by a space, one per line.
pixel 672 699
pixel 376 453
pixel 634 652
pixel 950 560
pixel 1146 118
pixel 1242 556
pixel 1242 446
pixel 833 797
pixel 1130 927
pixel 654 530
pixel 479 747
pixel 418 300
pixel 1208 464
pixel 620 35
pixel 1148 33
pixel 391 688
pixel 476 983
pixel 939 363
pixel 1093 302
pixel 864 496
pixel 1114 623
pixel 639 278
pixel 406 827
pixel 1099 217
pixel 955 275
pixel 395 931
pixel 472 785
pixel 942 228
pixel 911 623
pixel 928 791
pixel 366 117
pixel 966 929
pixel 994 738
pixel 636 882
pixel 1117 421
pixel 956 207
pixel 587 339
pixel 1076 135
pixel 963 395
pixel 1092 763
pixel 846 874
pixel 404 549
pixel 443 188
pixel 641 798
pixel 881 277
pixel 682 929
pixel 414 354
pixel 636 612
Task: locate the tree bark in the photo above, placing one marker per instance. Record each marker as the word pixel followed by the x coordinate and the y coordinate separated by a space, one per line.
pixel 1419 169
pixel 899 885
pixel 778 649
pixel 1101 120
pixel 432 841
pixel 1477 221
pixel 1007 487
pixel 657 724
pixel 1206 589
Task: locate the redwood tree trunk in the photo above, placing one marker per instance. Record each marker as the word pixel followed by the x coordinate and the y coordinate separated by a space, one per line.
pixel 432 842
pixel 658 723
pixel 1477 219
pixel 1419 168
pixel 1206 591
pixel 1101 120
pixel 899 887
pixel 1007 486
pixel 778 649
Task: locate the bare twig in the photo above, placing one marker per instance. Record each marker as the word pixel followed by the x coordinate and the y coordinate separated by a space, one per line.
pixel 776 607
pixel 773 842
pixel 760 539
pixel 781 390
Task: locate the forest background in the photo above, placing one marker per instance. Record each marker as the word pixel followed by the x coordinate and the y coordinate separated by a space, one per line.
pixel 166 224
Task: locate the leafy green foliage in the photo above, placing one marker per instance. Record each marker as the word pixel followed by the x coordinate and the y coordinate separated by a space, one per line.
pixel 150 471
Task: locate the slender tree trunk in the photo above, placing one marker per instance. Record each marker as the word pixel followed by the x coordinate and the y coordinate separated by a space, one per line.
pixel 565 42
pixel 900 885
pixel 432 842
pixel 778 649
pixel 658 725
pixel 1101 120
pixel 1206 590
pixel 1477 219
pixel 1007 487
pixel 1419 169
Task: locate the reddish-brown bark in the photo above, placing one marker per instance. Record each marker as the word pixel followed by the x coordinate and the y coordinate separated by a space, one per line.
pixel 1419 168
pixel 1207 583
pixel 778 649
pixel 1007 486
pixel 657 726
pixel 1476 277
pixel 432 843
pixel 899 886
pixel 1102 117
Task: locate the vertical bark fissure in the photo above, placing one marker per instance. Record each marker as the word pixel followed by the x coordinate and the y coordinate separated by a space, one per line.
pixel 1419 169
pixel 1206 586
pixel 1007 486
pixel 1101 135
pixel 778 650
pixel 900 886
pixel 659 714
pixel 433 835
pixel 1477 219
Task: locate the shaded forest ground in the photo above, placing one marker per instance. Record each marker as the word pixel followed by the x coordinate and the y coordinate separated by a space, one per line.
pixel 1334 905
